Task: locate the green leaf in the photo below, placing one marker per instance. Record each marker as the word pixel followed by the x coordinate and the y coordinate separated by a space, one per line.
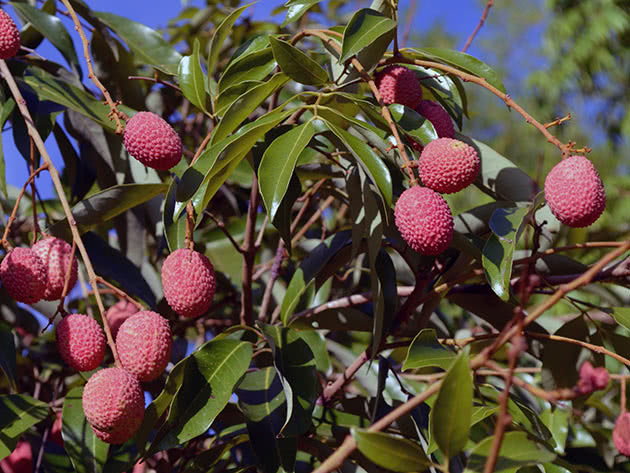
pixel 391 452
pixel 87 452
pixel 219 36
pixel 558 423
pixel 242 107
pixel 277 164
pixel 254 66
pixel 414 124
pixel 19 412
pixel 107 204
pixel 296 9
pixel 621 315
pixel 229 95
pixel 52 28
pixel 426 350
pixel 516 450
pixel 363 28
pixel 191 78
pixel 452 410
pixel 297 65
pixel 283 217
pixel 560 359
pixel 147 44
pixel 7 355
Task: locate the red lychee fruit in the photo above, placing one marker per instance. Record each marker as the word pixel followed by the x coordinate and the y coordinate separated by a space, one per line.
pixel 189 282
pixel 397 84
pixel 448 166
pixel 20 460
pixel 591 378
pixel 621 434
pixel 574 192
pixel 55 253
pixel 439 118
pixel 81 342
pixel 55 431
pixel 113 403
pixel 152 141
pixel 144 345
pixel 23 275
pixel 9 36
pixel 118 313
pixel 424 220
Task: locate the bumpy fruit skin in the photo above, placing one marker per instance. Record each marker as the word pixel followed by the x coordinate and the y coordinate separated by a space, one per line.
pixel 424 220
pixel 152 141
pixel 55 254
pixel 113 403
pixel 23 275
pixel 439 118
pixel 448 166
pixel 574 192
pixel 591 378
pixel 9 36
pixel 118 313
pixel 20 460
pixel 621 434
pixel 397 84
pixel 189 282
pixel 144 344
pixel 81 342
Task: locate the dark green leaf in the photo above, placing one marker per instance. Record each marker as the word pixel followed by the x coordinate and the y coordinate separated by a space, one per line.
pixel 19 412
pixel 426 350
pixel 283 218
pixel 560 359
pixel 558 423
pixel 621 316
pixel 219 36
pixel 391 452
pixel 363 28
pixel 516 450
pixel 254 66
pixel 414 124
pixel 192 79
pixel 229 95
pixel 296 9
pixel 297 65
pixel 7 355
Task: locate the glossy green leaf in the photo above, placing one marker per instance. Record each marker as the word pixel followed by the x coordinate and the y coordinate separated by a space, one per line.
pixel 426 350
pixel 243 106
pixel 517 450
pixel 19 412
pixel 296 9
pixel 284 215
pixel 174 226
pixel 229 95
pixel 254 66
pixel 296 64
pixel 7 355
pixel 219 36
pixel 87 452
pixel 317 343
pixel 452 410
pixel 192 79
pixel 365 25
pixel 277 164
pixel 558 423
pixel 414 124
pixel 621 315
pixel 560 359
pixel 391 452
pixel 147 44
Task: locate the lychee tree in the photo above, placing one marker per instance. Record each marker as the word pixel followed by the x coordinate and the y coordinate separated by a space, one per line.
pixel 275 248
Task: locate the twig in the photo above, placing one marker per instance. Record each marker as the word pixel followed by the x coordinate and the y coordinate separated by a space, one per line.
pixel 275 273
pixel 36 230
pixel 119 292
pixel 558 121
pixel 411 14
pixel 249 254
pixel 482 20
pixel 225 231
pixel 157 80
pixel 329 200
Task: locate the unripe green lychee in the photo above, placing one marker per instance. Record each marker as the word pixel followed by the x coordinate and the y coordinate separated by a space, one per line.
pixel 424 220
pixel 439 118
pixel 113 403
pixel 80 342
pixel 118 313
pixel 397 84
pixel 23 275
pixel 152 141
pixel 55 254
pixel 189 282
pixel 447 165
pixel 9 36
pixel 575 192
pixel 144 344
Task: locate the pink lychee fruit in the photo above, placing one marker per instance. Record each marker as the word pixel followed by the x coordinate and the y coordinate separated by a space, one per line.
pixel 55 253
pixel 621 434
pixel 152 141
pixel 575 192
pixel 113 403
pixel 424 220
pixel 23 275
pixel 591 378
pixel 448 166
pixel 20 460
pixel 55 431
pixel 144 344
pixel 9 36
pixel 397 84
pixel 189 282
pixel 118 313
pixel 439 118
pixel 81 342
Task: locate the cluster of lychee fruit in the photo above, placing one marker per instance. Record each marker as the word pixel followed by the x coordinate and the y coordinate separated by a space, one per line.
pixel 573 189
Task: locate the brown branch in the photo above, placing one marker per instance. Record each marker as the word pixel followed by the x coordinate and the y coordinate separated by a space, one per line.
pixel 36 230
pixel 119 292
pixel 410 14
pixel 249 254
pixel 558 121
pixel 225 231
pixel 482 20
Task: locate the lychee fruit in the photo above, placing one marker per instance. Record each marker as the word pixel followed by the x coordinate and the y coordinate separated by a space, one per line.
pixel 55 431
pixel 23 275
pixel 152 141
pixel 439 118
pixel 9 36
pixel 574 192
pixel 144 344
pixel 189 282
pixel 118 313
pixel 448 166
pixel 113 403
pixel 55 253
pixel 621 434
pixel 20 460
pixel 591 378
pixel 81 342
pixel 424 220
pixel 397 84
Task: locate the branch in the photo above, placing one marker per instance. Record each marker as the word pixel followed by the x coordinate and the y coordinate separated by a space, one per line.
pixel 249 254
pixel 482 20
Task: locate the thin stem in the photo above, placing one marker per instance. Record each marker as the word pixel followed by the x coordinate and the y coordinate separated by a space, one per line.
pixel 119 292
pixel 157 80
pixel 36 230
pixel 225 231
pixel 482 20
pixel 249 254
